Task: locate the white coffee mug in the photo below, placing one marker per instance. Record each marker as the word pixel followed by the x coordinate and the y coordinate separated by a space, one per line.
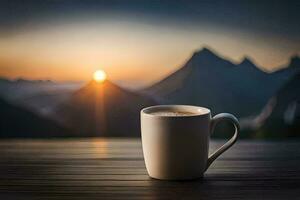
pixel 176 147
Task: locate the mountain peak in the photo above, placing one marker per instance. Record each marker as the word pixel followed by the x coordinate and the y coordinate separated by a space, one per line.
pixel 295 61
pixel 247 61
pixel 92 84
pixel 205 54
pixel 205 51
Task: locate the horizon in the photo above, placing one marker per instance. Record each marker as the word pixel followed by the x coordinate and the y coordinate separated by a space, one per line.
pixel 138 43
pixel 133 86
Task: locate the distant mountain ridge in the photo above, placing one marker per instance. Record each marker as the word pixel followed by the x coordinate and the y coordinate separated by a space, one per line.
pixel 209 80
pixel 39 96
pixel 21 80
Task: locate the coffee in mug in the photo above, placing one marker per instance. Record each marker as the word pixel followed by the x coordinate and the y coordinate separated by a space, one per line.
pixel 172 113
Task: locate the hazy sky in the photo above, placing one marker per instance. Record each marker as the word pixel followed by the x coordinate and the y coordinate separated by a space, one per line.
pixel 138 42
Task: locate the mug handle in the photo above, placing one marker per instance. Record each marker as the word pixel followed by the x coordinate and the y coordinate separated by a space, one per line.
pixel 216 119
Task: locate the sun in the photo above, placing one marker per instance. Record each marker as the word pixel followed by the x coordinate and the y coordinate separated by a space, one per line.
pixel 99 76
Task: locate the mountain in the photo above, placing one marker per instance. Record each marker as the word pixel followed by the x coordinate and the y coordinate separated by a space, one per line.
pixel 39 96
pixel 19 122
pixel 292 68
pixel 103 109
pixel 209 80
pixel 281 116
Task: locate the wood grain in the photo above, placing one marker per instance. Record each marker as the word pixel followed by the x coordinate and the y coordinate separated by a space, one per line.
pixel 115 169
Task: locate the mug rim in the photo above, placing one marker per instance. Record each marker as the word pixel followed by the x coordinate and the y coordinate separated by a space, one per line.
pixel 204 110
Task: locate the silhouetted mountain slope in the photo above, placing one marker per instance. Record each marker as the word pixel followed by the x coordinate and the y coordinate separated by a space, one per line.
pixel 103 109
pixel 18 122
pixel 292 68
pixel 283 112
pixel 209 80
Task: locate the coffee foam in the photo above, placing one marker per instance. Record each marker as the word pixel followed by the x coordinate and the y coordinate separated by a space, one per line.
pixel 172 113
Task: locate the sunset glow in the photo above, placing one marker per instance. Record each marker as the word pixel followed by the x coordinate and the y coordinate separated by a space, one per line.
pixel 137 43
pixel 99 76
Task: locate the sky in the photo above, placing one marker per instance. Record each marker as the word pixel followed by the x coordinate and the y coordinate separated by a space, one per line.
pixel 138 42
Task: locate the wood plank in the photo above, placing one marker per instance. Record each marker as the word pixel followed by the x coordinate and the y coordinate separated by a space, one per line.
pixel 114 169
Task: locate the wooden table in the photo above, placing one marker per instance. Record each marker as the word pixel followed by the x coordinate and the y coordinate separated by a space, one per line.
pixel 114 169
